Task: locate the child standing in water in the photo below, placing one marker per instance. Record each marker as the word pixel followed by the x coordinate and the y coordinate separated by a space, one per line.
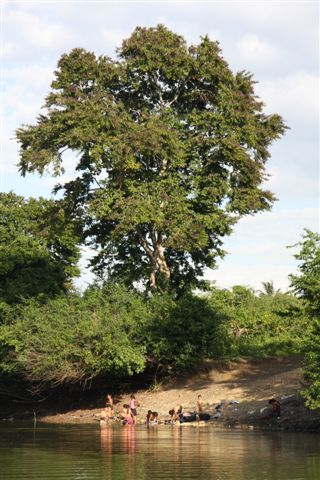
pixel 133 407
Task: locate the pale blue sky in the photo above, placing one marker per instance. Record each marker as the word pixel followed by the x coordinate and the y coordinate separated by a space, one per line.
pixel 277 41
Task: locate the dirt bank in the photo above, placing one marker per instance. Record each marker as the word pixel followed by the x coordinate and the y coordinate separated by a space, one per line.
pixel 243 388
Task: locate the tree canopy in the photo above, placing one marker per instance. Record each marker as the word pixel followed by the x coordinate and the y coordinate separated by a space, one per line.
pixel 38 248
pixel 171 151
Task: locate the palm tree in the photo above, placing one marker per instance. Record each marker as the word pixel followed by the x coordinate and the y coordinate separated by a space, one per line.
pixel 268 289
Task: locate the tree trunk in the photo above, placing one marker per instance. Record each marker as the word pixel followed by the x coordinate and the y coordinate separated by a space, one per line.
pixel 163 266
pixel 157 257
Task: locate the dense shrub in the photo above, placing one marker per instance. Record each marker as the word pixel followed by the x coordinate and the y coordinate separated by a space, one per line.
pixel 113 332
pixel 109 331
pixel 307 285
pixel 262 325
pixel 74 339
pixel 183 332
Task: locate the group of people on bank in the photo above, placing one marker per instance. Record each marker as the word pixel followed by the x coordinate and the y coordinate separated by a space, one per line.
pixel 178 413
pixel 128 414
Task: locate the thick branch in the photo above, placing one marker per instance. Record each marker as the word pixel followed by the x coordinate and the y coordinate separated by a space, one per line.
pixel 145 246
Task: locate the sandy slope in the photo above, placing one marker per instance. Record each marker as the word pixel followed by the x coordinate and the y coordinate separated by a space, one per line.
pixel 245 380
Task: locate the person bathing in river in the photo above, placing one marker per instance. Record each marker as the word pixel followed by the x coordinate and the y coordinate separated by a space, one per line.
pixel 178 414
pixel 175 413
pixel 152 418
pixel 149 418
pixel 107 414
pixel 133 407
pixel 127 416
pixel 155 418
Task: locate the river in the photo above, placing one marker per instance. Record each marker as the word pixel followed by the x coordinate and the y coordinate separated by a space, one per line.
pixel 86 452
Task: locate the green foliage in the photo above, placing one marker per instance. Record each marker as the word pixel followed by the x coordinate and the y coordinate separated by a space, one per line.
pixel 74 339
pixel 312 367
pixel 184 332
pixel 262 325
pixel 38 248
pixel 307 285
pixel 109 332
pixel 171 151
pixel 113 332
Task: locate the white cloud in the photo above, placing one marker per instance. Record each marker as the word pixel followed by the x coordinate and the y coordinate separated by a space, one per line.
pixel 24 30
pixel 294 96
pixel 23 95
pixel 233 273
pixel 255 51
pixel 34 78
pixel 295 183
pixel 271 15
pixel 9 49
pixel 112 38
pixel 258 248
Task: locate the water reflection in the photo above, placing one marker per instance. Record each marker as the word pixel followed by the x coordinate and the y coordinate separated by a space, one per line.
pixel 194 453
pixel 158 452
pixel 129 439
pixel 106 433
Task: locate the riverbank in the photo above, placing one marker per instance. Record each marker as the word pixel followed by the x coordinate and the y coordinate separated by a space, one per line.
pixel 242 389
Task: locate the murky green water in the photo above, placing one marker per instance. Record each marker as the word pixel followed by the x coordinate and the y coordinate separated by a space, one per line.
pixel 163 452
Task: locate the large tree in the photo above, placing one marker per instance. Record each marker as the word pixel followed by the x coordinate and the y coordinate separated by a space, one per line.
pixel 38 248
pixel 171 151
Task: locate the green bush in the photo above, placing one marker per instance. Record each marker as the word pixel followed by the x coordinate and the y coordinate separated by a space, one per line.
pixel 183 332
pixel 262 325
pixel 74 339
pixel 307 286
pixel 113 332
pixel 109 332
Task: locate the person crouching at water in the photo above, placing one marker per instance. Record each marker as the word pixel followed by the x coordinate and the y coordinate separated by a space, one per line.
pixel 155 417
pixel 106 415
pixel 173 416
pixel 176 413
pixel 275 410
pixel 127 416
pixel 152 418
pixel 149 418
pixel 133 407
